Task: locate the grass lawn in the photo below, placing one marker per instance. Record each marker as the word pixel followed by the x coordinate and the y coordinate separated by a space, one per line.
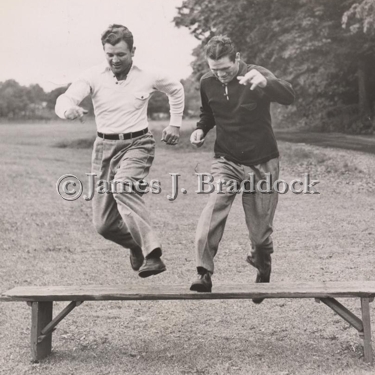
pixel 46 240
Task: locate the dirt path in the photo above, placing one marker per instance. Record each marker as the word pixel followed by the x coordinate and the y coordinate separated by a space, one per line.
pixel 336 140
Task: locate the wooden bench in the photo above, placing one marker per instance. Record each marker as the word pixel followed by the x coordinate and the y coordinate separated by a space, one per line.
pixel 41 301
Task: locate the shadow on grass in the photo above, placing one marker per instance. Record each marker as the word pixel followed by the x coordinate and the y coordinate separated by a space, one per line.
pixel 213 355
pixel 76 143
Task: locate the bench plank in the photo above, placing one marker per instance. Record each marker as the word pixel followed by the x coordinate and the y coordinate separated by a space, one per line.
pixel 181 292
pixel 41 299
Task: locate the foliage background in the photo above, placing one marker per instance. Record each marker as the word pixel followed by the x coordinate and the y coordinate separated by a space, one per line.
pixel 324 48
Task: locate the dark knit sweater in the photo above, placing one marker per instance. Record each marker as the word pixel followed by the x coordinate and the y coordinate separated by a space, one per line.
pixel 244 133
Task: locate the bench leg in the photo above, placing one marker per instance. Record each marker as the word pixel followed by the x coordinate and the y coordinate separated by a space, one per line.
pixel 41 315
pixel 362 326
pixel 365 306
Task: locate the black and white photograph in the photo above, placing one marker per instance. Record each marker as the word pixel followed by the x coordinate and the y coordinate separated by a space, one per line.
pixel 188 187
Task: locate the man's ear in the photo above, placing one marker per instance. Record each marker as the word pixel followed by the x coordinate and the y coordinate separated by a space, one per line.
pixel 238 56
pixel 133 51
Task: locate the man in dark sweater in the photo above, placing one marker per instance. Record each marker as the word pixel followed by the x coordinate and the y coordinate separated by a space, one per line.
pixel 236 97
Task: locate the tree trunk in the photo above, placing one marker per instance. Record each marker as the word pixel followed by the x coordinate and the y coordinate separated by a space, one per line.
pixel 363 87
pixel 365 123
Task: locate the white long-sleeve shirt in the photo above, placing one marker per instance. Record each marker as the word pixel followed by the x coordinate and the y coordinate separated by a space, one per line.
pixel 121 106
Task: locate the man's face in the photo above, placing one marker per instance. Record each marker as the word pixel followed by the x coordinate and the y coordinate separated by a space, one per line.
pixel 224 69
pixel 119 56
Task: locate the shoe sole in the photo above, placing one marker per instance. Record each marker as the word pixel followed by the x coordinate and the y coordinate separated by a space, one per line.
pixel 148 273
pixel 200 288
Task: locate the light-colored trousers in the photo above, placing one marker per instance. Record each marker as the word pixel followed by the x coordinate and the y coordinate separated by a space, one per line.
pixel 122 217
pixel 259 211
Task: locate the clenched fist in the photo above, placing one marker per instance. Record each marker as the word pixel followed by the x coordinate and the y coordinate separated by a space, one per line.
pixel 75 112
pixel 197 138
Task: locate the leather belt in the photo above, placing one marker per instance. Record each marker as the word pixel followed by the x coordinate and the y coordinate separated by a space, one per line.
pixel 123 136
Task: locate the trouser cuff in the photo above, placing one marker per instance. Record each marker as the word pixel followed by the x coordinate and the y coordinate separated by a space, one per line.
pixel 202 271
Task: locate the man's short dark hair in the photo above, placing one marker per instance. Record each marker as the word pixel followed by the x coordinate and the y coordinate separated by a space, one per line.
pixel 116 33
pixel 219 47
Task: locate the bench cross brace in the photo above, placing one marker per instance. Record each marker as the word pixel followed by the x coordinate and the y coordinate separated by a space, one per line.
pixel 362 326
pixel 42 326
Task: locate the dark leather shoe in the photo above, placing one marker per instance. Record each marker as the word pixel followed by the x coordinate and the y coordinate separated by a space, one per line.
pixel 151 266
pixel 136 259
pixel 263 266
pixel 202 284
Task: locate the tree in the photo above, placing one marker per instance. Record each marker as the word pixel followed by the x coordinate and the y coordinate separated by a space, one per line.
pixel 360 21
pixel 31 102
pixel 35 94
pixel 192 99
pixel 360 17
pixel 53 95
pixel 300 40
pixel 158 104
pixel 13 99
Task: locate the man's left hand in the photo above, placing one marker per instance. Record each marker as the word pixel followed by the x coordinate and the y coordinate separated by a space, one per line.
pixel 171 135
pixel 253 78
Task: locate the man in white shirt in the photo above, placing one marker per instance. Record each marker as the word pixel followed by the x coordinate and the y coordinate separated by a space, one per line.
pixel 124 148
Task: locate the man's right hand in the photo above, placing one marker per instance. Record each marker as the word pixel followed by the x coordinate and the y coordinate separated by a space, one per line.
pixel 75 112
pixel 197 138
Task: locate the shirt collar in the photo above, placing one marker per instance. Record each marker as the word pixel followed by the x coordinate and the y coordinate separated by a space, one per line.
pixel 242 68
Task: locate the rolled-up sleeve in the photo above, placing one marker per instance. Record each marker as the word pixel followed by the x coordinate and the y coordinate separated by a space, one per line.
pixel 176 96
pixel 76 92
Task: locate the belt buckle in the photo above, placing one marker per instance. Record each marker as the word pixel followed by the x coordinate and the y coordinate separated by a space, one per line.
pixel 121 137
